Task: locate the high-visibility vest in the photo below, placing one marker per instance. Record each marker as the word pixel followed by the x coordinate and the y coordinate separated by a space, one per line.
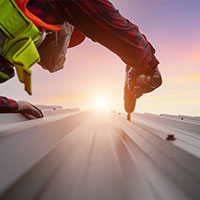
pixel 22 35
pixel 21 39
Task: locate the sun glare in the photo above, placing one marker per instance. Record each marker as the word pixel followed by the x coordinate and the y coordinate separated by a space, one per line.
pixel 101 103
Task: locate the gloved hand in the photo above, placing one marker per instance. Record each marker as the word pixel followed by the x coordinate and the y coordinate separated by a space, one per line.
pixel 143 81
pixel 29 110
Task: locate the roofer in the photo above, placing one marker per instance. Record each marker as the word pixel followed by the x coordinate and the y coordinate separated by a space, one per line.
pixel 32 26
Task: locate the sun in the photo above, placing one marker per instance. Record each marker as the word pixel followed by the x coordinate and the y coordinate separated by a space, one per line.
pixel 101 103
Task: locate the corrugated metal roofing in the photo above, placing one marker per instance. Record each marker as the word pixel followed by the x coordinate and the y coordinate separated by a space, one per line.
pixel 88 155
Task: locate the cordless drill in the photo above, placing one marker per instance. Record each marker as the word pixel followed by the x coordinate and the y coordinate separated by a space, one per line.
pixel 137 84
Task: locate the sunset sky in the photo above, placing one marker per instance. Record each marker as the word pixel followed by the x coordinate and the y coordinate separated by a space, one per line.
pixel 172 26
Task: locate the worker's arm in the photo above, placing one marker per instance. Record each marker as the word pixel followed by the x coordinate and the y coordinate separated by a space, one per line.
pixel 24 107
pixel 101 22
pixel 8 105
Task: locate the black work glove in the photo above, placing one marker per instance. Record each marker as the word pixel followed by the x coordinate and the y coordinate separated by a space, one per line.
pixel 143 81
pixel 29 110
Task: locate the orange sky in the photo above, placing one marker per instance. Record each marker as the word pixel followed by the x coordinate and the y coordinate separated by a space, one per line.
pixel 92 70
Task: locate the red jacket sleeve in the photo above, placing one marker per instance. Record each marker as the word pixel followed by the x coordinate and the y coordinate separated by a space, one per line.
pixel 7 105
pixel 101 22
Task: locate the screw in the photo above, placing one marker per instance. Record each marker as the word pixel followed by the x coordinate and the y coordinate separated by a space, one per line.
pixel 170 137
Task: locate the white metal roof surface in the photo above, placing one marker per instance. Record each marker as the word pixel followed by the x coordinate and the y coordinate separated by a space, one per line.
pixel 86 155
